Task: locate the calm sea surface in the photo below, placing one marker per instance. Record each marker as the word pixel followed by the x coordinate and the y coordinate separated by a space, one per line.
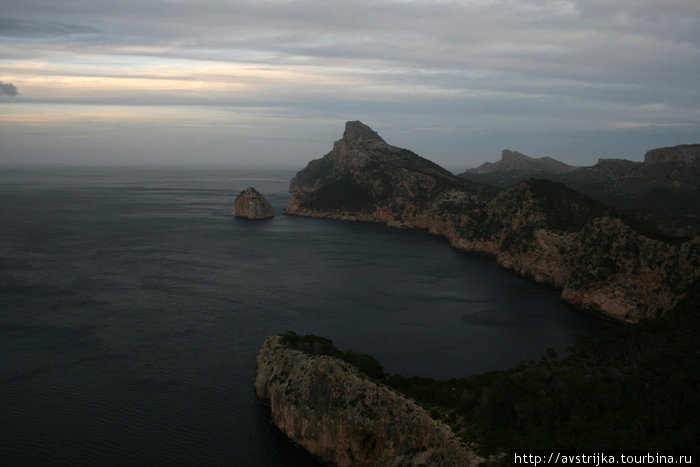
pixel 133 304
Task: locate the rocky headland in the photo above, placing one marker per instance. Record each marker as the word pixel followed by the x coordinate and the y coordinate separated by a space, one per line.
pixel 342 417
pixel 250 204
pixel 538 228
pixel 628 386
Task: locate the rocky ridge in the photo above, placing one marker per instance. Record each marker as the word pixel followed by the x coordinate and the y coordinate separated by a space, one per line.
pixel 520 165
pixel 663 192
pixel 251 204
pixel 343 418
pixel 364 178
pixel 538 228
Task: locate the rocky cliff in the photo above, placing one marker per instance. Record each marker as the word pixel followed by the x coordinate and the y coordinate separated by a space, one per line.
pixel 538 228
pixel 343 418
pixel 252 205
pixel 364 178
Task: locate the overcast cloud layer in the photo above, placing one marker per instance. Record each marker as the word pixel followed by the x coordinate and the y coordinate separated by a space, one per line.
pixel 273 81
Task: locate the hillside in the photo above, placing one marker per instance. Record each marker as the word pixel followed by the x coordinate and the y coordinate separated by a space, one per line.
pixel 631 386
pixel 539 229
pixel 325 400
pixel 663 192
pixel 516 167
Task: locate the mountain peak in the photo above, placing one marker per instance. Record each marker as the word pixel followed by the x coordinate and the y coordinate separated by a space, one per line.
pixel 510 156
pixel 523 166
pixel 356 131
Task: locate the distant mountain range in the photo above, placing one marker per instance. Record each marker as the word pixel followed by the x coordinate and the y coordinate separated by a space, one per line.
pixel 663 192
pixel 518 165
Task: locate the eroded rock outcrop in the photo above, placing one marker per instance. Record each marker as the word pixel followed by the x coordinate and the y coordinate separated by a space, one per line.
pixel 538 228
pixel 252 205
pixel 343 418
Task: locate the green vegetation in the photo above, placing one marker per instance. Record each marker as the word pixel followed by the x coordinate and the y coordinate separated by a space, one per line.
pixel 634 386
pixel 566 210
pixel 570 210
pixel 341 194
pixel 316 345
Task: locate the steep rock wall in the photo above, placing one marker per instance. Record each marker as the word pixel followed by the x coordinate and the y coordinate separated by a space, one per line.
pixel 341 417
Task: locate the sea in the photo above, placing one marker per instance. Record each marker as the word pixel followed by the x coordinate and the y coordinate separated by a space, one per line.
pixel 133 304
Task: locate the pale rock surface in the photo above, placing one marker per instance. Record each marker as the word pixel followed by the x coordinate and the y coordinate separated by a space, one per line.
pixel 343 418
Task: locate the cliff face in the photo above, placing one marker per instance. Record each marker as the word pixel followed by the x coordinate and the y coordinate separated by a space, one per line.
pixel 685 155
pixel 538 228
pixel 341 417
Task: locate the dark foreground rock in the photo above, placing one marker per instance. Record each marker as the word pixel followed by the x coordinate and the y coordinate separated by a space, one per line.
pixel 538 228
pixel 252 205
pixel 343 418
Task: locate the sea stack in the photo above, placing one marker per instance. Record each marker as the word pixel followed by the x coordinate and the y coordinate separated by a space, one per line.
pixel 252 205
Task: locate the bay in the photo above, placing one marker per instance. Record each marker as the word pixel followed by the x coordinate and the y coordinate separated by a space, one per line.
pixel 133 304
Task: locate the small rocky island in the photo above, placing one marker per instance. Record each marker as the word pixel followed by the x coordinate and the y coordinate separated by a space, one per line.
pixel 251 204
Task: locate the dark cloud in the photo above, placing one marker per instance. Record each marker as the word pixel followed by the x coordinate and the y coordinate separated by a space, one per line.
pixel 546 70
pixel 7 89
pixel 11 27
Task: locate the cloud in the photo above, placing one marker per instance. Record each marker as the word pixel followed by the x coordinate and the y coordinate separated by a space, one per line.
pixel 461 69
pixel 11 27
pixel 7 89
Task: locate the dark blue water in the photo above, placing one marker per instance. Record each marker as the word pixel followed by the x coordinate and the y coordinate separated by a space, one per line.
pixel 133 304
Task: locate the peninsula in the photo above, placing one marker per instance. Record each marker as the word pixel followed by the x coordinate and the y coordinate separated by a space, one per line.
pixel 344 410
pixel 540 229
pixel 341 416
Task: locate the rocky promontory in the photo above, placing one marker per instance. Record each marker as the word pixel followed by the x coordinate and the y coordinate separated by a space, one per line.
pixel 342 417
pixel 364 178
pixel 252 205
pixel 540 229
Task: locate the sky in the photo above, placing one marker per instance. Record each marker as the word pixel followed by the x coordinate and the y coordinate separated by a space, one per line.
pixel 272 82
